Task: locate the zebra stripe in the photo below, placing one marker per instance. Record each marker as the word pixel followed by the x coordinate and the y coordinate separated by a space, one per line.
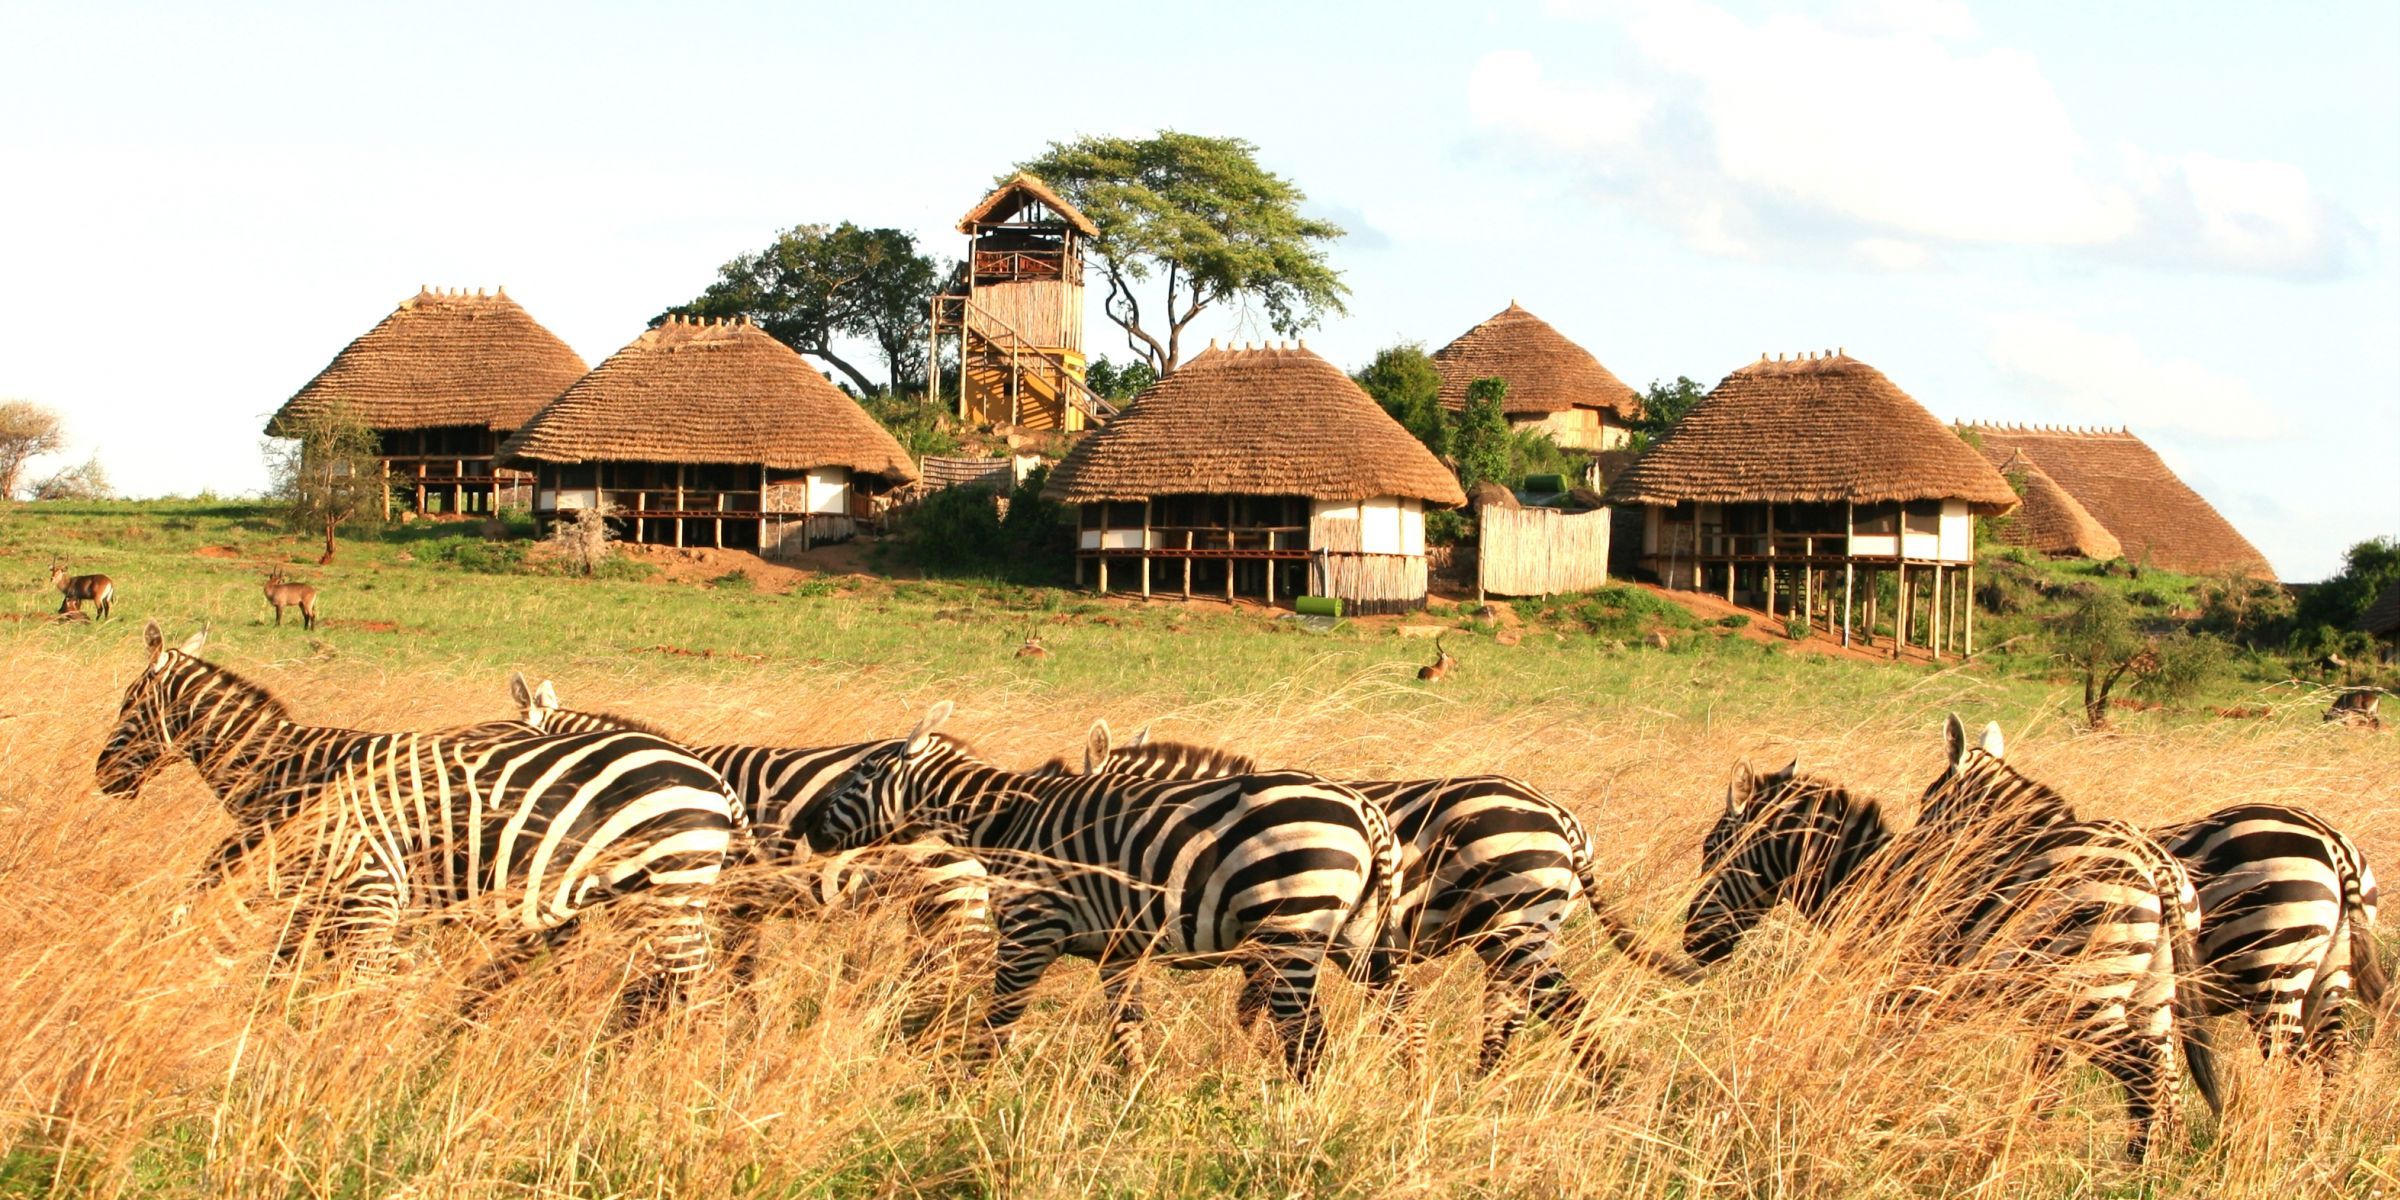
pixel 2286 903
pixel 948 890
pixel 1488 863
pixel 539 828
pixel 1268 871
pixel 2088 919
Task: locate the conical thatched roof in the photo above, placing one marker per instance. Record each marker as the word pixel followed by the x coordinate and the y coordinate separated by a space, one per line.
pixel 442 358
pixel 1011 197
pixel 1545 372
pixel 2127 488
pixel 1274 421
pixel 2382 618
pixel 708 392
pixel 1824 428
pixel 2050 520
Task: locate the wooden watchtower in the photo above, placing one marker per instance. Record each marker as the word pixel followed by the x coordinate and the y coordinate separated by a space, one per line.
pixel 1016 309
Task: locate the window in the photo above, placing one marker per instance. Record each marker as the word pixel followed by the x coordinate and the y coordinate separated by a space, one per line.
pixel 1925 516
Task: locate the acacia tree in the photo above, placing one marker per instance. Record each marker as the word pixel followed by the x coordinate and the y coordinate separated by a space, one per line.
pixel 1403 379
pixel 1202 217
pixel 817 283
pixel 1665 403
pixel 326 472
pixel 27 431
pixel 2099 640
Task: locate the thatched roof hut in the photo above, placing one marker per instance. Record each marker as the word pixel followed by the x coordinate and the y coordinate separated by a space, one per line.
pixel 2049 519
pixel 1271 421
pixel 2128 489
pixel 2382 618
pixel 709 392
pixel 442 359
pixel 1816 429
pixel 1013 195
pixel 1552 382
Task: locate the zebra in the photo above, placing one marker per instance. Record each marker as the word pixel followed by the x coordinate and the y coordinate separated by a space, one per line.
pixel 533 829
pixel 2087 919
pixel 1266 871
pixel 1488 863
pixel 2287 904
pixel 948 890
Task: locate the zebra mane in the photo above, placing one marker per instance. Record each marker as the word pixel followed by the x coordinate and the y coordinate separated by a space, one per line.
pixel 1990 776
pixel 614 720
pixel 1183 760
pixel 252 693
pixel 1826 795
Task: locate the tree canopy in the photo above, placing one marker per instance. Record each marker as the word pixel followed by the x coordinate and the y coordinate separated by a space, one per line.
pixel 817 283
pixel 1403 379
pixel 2339 602
pixel 27 431
pixel 327 472
pixel 1482 437
pixel 1665 403
pixel 1119 384
pixel 1201 217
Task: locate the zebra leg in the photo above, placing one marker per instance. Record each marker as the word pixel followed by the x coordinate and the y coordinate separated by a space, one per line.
pixel 1399 998
pixel 2144 1067
pixel 518 951
pixel 366 919
pixel 675 951
pixel 1031 938
pixel 1126 1015
pixel 1292 1002
pixel 1250 1003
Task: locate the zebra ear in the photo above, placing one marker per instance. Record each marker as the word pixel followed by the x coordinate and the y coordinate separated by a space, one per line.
pixel 1141 737
pixel 519 693
pixel 1738 793
pixel 1790 771
pixel 152 638
pixel 1095 746
pixel 1956 734
pixel 934 717
pixel 192 644
pixel 1992 742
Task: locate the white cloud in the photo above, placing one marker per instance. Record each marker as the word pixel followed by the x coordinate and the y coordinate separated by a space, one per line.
pixel 1884 124
pixel 2091 378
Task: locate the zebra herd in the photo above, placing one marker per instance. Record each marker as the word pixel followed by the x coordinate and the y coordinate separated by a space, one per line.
pixel 1194 857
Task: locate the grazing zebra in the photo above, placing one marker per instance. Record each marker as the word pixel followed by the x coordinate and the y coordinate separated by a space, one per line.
pixel 1265 871
pixel 534 829
pixel 2286 902
pixel 2086 919
pixel 781 787
pixel 1488 863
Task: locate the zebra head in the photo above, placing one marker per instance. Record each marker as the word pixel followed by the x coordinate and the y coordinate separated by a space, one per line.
pixel 150 719
pixel 539 702
pixel 887 791
pixel 1977 784
pixel 1735 893
pixel 1142 758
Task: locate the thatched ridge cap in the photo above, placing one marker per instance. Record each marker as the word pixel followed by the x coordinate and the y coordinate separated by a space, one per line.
pixel 994 206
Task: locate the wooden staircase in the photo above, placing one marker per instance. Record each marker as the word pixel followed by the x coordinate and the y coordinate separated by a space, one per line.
pixel 1009 380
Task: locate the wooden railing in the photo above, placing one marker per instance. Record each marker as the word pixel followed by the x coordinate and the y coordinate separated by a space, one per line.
pixel 1001 339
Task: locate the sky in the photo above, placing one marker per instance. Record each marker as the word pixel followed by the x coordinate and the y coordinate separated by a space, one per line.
pixel 2178 217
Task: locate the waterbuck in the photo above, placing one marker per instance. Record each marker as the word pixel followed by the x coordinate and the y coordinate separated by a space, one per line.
pixel 280 594
pixel 75 589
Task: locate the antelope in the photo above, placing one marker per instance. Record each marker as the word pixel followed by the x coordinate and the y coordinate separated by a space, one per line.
pixel 280 594
pixel 1033 648
pixel 75 589
pixel 1441 665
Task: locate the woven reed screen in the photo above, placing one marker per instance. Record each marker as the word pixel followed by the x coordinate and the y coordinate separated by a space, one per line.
pixel 1540 551
pixel 1341 567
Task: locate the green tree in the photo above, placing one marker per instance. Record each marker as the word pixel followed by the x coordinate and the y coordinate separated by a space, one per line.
pixel 2098 638
pixel 326 473
pixel 1403 379
pixel 1119 384
pixel 1481 440
pixel 1201 216
pixel 2338 603
pixel 818 283
pixel 1665 403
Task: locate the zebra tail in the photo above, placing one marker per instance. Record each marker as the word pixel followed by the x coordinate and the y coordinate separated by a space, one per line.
pixel 1620 934
pixel 2199 1043
pixel 2370 985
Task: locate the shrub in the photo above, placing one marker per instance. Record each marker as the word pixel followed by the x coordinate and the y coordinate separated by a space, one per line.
pixel 1734 621
pixel 482 557
pixel 736 580
pixel 583 540
pixel 920 426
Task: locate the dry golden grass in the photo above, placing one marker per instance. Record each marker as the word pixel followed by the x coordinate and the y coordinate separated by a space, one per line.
pixel 132 1062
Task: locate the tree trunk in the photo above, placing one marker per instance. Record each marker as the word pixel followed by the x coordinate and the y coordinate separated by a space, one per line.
pixel 859 381
pixel 327 557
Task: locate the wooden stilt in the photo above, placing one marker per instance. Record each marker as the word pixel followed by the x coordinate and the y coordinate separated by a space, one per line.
pixel 1104 567
pixel 1187 564
pixel 1145 549
pixel 1940 601
pixel 1900 610
pixel 1968 649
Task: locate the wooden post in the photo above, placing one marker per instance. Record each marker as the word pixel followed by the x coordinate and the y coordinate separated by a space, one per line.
pixel 1187 564
pixel 1941 599
pixel 1269 566
pixel 1145 549
pixel 679 505
pixel 1229 563
pixel 1849 563
pixel 1771 560
pixel 1900 617
pixel 1967 650
pixel 1102 557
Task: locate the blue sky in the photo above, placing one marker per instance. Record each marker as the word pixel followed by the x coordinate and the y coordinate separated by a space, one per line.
pixel 2179 217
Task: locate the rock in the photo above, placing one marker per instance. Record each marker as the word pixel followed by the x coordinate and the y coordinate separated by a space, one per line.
pixel 1488 492
pixel 1423 631
pixel 1508 637
pixel 1657 639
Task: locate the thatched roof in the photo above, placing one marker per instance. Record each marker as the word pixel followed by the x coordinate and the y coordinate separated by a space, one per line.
pixel 1011 197
pixel 2382 618
pixel 2127 488
pixel 1274 421
pixel 442 358
pixel 1821 428
pixel 708 392
pixel 1546 373
pixel 2050 520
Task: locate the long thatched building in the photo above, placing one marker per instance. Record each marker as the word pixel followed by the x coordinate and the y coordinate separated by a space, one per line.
pixel 1554 385
pixel 710 433
pixel 2127 489
pixel 1798 484
pixel 1256 471
pixel 441 381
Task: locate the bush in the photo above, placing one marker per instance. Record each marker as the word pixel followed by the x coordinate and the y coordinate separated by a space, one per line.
pixel 482 557
pixel 920 426
pixel 1447 526
pixel 1734 621
pixel 2246 611
pixel 1624 613
pixel 736 580
pixel 955 527
pixel 583 540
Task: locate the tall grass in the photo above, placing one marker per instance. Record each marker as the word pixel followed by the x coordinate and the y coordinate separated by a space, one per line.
pixel 138 1057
